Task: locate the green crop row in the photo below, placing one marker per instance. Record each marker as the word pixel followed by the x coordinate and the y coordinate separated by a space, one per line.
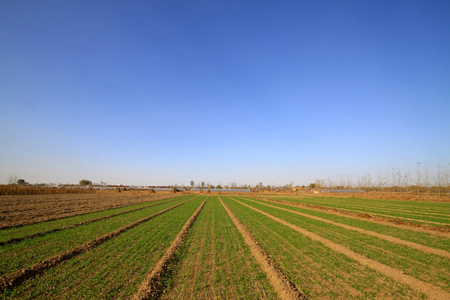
pixel 30 251
pixel 426 239
pixel 424 266
pixel 116 268
pixel 24 231
pixel 421 206
pixel 317 270
pixel 439 212
pixel 215 262
pixel 416 206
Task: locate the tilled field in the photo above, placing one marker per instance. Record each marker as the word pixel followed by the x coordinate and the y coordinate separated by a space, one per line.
pixel 227 247
pixel 18 210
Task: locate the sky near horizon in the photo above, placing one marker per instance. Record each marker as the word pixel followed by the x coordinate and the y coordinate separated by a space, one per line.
pixel 165 92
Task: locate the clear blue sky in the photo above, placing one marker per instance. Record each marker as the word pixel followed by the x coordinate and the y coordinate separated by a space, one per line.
pixel 164 92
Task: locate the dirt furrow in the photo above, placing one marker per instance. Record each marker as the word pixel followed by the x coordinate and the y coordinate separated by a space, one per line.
pixel 280 282
pixel 152 286
pixel 443 231
pixel 424 287
pixel 388 238
pixel 15 240
pixel 16 278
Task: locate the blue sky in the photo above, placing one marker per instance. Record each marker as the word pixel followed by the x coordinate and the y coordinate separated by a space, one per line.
pixel 164 92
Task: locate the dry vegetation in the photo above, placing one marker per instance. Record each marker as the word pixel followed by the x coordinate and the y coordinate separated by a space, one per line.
pixel 41 190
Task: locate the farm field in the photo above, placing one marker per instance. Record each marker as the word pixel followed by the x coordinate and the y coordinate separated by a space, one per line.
pixel 229 247
pixel 18 210
pixel 432 213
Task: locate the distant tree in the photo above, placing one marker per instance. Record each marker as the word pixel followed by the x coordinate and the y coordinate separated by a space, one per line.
pixel 21 181
pixel 192 183
pixel 85 182
pixel 203 184
pixel 219 187
pixel 312 185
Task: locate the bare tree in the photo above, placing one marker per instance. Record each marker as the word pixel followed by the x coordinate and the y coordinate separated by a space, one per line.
pixel 406 179
pixel 419 176
pixel 12 179
pixel 438 178
pixel 330 183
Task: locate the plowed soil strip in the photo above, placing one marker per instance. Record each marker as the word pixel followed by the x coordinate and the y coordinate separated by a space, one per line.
pixel 15 240
pixel 432 291
pixel 368 232
pixel 152 287
pixel 441 231
pixel 16 278
pixel 280 282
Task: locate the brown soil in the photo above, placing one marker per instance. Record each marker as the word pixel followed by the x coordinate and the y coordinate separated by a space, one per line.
pixel 28 209
pixel 432 291
pixel 14 240
pixel 437 230
pixel 368 232
pixel 16 278
pixel 280 282
pixel 152 287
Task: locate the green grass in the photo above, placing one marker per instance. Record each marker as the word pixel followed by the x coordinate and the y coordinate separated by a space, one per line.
pixel 116 268
pixel 28 252
pixel 314 268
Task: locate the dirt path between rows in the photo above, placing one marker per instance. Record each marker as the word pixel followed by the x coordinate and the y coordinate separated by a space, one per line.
pixel 280 282
pixel 424 287
pixel 15 240
pixel 388 238
pixel 16 278
pixel 152 287
pixel 424 228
